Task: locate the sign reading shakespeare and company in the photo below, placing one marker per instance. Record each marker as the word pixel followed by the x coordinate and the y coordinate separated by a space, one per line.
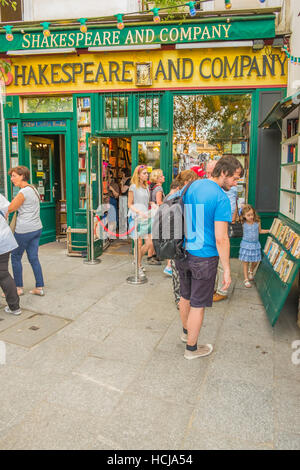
pixel 162 70
pixel 208 29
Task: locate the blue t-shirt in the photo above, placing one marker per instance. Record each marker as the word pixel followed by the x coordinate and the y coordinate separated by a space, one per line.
pixel 205 203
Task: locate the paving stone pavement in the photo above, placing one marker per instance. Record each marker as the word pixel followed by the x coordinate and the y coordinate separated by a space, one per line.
pixel 106 369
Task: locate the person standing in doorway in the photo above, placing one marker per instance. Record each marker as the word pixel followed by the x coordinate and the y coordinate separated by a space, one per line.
pixel 156 199
pixel 113 194
pixel 207 213
pixel 123 200
pixel 7 244
pixel 28 229
pixel 138 204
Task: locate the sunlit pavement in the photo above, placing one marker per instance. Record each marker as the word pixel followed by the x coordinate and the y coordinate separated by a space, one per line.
pixel 98 364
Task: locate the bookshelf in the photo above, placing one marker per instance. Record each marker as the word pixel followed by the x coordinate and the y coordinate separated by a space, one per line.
pixel 281 253
pixel 83 127
pixel 62 219
pixel 289 204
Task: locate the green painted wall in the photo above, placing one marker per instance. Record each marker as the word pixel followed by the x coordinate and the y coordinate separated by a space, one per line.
pixel 76 216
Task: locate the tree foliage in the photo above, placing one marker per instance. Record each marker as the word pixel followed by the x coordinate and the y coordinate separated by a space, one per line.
pixel 215 118
pixel 9 3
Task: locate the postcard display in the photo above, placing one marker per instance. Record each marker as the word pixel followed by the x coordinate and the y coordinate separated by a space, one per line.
pixel 281 254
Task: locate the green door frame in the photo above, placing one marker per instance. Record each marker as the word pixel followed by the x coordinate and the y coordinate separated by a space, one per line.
pixel 47 208
pixel 23 132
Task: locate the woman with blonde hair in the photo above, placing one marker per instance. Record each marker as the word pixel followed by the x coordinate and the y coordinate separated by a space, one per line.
pixel 138 204
pixel 156 197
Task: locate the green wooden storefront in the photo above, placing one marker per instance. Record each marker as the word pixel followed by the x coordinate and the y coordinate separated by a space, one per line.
pixel 55 124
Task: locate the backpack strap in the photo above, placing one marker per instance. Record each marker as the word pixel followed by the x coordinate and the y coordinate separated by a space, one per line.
pixel 187 186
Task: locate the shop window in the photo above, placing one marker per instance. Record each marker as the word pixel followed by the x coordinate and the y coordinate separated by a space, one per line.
pixel 47 104
pixel 149 106
pixel 116 111
pixel 209 127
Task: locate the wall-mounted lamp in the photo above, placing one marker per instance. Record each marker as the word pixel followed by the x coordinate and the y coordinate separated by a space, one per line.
pixel 83 26
pixel 120 24
pixel 9 35
pixel 156 17
pixel 46 30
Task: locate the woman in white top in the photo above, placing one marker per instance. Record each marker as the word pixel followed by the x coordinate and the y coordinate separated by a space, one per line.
pixel 138 204
pixel 7 244
pixel 28 228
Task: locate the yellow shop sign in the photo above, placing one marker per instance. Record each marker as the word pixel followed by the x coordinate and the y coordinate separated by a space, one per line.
pixel 156 69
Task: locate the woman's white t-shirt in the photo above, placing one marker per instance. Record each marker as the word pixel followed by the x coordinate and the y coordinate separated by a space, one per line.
pixel 141 198
pixel 28 219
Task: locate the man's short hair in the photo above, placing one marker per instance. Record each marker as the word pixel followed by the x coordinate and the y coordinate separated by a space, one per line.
pixel 227 165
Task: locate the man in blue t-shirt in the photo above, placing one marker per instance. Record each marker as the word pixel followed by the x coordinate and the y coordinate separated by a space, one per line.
pixel 207 213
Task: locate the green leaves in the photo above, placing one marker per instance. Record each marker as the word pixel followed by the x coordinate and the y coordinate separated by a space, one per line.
pixel 11 3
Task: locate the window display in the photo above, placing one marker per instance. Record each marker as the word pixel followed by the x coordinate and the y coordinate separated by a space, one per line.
pixel 211 126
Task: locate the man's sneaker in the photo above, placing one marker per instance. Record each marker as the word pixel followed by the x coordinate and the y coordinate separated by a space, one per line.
pixel 183 337
pixel 218 297
pixel 201 351
pixel 13 312
pixel 168 271
pixel 141 272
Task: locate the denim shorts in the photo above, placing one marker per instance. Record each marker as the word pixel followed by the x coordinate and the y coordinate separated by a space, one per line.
pixel 197 279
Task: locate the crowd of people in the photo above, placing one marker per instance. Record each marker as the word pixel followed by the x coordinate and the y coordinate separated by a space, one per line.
pixel 199 279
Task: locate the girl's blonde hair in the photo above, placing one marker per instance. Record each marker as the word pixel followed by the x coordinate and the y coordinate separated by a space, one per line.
pixel 248 208
pixel 136 176
pixel 155 174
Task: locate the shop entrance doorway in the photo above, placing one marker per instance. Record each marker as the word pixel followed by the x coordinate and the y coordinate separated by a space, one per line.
pixel 45 157
pixel 119 158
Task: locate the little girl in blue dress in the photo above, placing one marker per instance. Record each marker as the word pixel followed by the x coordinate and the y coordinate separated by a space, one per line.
pixel 250 249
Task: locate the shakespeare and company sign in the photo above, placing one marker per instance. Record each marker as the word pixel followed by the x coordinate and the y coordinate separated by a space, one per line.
pixel 222 29
pixel 210 68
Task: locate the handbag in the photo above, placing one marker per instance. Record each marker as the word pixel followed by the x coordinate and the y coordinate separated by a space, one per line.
pixel 235 230
pixel 13 222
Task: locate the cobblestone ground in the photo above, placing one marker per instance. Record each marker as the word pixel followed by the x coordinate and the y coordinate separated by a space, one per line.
pixel 98 364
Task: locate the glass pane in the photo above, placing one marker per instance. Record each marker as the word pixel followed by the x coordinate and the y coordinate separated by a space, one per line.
pixel 40 166
pixel 149 153
pixel 209 127
pixel 148 112
pixel 48 104
pixel 116 112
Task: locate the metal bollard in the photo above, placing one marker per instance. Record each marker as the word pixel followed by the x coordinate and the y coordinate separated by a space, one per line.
pixel 90 237
pixel 136 279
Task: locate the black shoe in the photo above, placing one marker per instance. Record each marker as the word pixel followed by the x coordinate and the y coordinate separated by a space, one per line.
pixel 154 261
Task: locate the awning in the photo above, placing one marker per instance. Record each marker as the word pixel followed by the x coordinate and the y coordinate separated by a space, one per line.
pixel 280 109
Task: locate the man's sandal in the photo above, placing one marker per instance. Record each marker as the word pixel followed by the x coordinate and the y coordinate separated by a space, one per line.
pixel 247 283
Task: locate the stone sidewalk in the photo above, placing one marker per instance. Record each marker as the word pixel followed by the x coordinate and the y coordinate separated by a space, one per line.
pixel 98 364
